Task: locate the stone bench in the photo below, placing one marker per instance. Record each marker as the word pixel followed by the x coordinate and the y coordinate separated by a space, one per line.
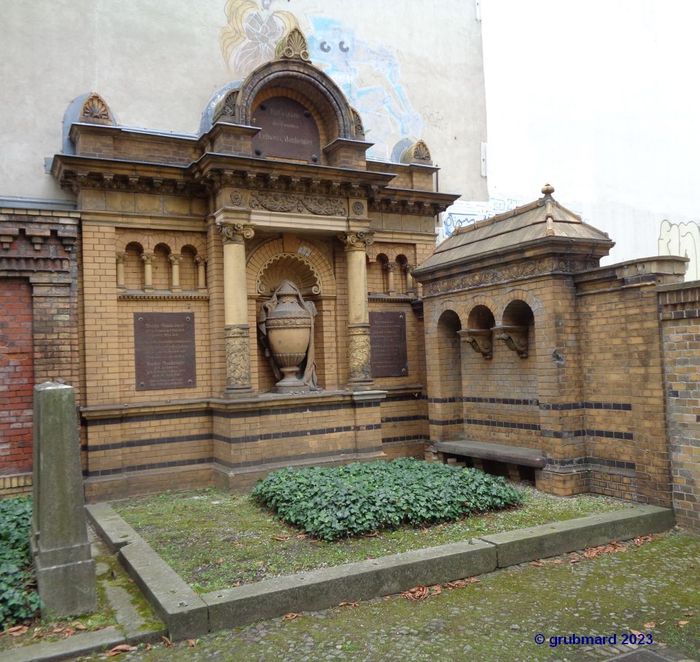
pixel 528 457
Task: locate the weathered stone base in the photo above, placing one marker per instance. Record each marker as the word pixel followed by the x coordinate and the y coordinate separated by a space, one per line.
pixel 67 589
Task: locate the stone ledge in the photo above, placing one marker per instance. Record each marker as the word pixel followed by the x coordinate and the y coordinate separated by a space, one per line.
pixel 66 649
pixel 111 527
pixel 364 580
pixel 538 542
pixel 183 611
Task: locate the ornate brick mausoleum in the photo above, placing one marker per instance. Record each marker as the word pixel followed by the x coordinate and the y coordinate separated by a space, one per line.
pixel 251 298
pixel 246 296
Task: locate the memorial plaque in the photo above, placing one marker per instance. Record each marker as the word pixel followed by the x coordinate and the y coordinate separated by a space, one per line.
pixel 388 338
pixel 164 351
pixel 287 130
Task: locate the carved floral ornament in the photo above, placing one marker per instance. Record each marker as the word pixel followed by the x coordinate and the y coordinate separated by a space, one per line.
pixel 95 110
pixel 235 232
pixel 293 46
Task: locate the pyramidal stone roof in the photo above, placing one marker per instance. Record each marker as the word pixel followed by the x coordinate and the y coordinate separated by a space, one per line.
pixel 541 222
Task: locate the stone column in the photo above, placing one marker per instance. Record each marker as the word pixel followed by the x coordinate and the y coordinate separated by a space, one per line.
pixel 410 284
pixel 358 311
pixel 120 270
pixel 236 328
pixel 389 268
pixel 64 566
pixel 147 271
pixel 175 272
pixel 201 272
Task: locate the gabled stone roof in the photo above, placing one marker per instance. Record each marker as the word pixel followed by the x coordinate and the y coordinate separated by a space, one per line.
pixel 538 222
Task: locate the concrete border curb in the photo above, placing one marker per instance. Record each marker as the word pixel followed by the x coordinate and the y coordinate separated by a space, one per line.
pixel 363 580
pixel 66 649
pixel 539 542
pixel 187 614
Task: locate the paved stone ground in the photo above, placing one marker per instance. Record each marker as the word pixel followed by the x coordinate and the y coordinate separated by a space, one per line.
pixel 651 588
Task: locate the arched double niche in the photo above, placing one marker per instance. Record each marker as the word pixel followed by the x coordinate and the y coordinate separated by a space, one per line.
pixel 300 111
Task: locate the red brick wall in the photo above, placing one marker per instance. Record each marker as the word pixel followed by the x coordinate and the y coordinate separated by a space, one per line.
pixel 16 376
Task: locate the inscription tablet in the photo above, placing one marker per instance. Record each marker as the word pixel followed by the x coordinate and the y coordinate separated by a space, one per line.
pixel 388 337
pixel 164 352
pixel 287 130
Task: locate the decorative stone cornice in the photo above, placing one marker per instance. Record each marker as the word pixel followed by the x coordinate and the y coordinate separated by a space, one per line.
pixel 356 241
pixel 301 204
pixel 493 275
pixel 235 233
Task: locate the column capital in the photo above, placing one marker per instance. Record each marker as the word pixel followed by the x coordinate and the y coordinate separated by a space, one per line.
pixel 175 258
pixel 356 241
pixel 198 259
pixel 147 257
pixel 235 233
pixel 121 256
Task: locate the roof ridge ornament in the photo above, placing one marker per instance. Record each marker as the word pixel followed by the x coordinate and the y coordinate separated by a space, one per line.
pixel 547 190
pixel 95 110
pixel 293 46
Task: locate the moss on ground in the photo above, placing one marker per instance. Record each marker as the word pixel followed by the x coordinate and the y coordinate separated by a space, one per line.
pixel 111 573
pixel 231 540
pixel 651 588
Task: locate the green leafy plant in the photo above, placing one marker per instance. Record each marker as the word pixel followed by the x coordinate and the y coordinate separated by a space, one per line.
pixel 355 499
pixel 18 597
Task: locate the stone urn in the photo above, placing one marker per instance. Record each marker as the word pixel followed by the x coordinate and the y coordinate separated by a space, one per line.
pixel 288 328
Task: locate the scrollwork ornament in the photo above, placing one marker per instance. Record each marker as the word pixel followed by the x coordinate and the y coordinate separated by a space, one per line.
pixel 356 241
pixel 235 233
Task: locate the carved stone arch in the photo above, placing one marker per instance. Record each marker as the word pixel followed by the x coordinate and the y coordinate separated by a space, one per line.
pixel 306 79
pixel 312 264
pixel 96 111
pixel 181 241
pixel 358 127
pixel 288 266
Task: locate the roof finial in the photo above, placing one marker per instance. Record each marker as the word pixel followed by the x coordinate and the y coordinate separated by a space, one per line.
pixel 547 189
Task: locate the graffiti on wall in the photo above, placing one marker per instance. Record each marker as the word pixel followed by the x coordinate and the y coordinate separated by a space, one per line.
pixel 682 239
pixel 368 74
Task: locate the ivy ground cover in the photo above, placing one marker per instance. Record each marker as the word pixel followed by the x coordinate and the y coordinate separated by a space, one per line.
pixel 231 539
pixel 360 498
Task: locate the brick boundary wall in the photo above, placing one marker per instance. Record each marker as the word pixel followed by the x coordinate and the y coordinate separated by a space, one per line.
pixel 679 314
pixel 16 375
pixel 38 326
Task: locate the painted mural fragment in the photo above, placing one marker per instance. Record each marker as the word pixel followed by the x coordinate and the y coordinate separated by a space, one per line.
pixel 682 239
pixel 368 74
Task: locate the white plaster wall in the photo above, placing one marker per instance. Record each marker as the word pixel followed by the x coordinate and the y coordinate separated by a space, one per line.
pixel 599 98
pixel 157 63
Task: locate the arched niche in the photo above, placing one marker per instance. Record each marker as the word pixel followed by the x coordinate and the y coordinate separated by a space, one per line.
pixel 515 329
pixel 448 353
pixel 478 333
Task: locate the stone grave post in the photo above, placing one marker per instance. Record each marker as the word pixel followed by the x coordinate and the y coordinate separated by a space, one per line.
pixel 64 565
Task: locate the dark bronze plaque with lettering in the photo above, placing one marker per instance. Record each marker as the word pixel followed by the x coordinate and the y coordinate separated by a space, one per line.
pixel 164 351
pixel 388 336
pixel 287 130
